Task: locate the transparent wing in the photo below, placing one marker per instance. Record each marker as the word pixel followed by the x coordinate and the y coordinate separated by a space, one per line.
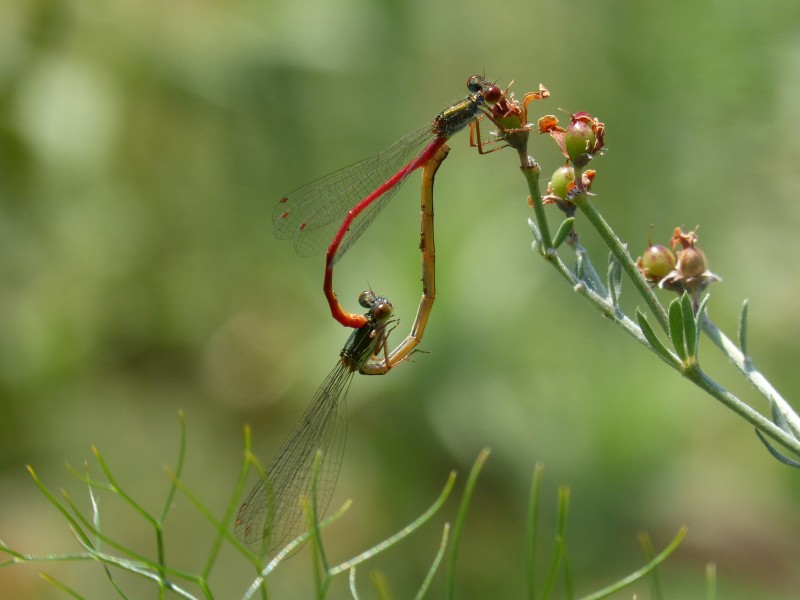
pixel 272 515
pixel 312 214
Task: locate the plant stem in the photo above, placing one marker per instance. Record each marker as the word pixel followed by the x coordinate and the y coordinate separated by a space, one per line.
pixel 620 251
pixel 699 378
pixel 745 365
pixel 531 170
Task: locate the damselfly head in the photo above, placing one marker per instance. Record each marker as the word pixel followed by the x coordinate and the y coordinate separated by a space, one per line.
pixel 379 309
pixel 478 84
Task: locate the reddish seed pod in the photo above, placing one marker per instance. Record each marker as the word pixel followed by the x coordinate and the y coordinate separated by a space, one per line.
pixel 691 262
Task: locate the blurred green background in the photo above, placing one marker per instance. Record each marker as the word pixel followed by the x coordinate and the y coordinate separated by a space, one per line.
pixel 143 146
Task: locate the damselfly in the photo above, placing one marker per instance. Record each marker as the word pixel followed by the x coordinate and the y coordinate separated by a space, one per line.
pixel 344 203
pixel 273 512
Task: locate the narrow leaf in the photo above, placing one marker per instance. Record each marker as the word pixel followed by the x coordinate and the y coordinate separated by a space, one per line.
pixel 701 311
pixel 614 278
pixel 676 328
pixel 772 450
pixel 698 318
pixel 689 326
pixel 537 235
pixel 743 331
pixel 580 273
pixel 655 343
pixel 584 270
pixel 563 231
pixel 780 419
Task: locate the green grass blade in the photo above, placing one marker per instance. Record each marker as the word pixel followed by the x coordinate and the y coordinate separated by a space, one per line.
pixel 381 586
pixel 406 531
pixel 637 575
pixel 146 570
pixel 61 586
pixel 288 550
pixel 352 583
pixel 460 519
pixel 559 553
pixel 99 535
pixel 568 588
pixel 117 489
pixel 322 568
pixel 532 527
pixel 98 527
pixel 76 528
pixel 647 549
pixel 223 526
pixel 437 560
pixel 178 469
pixel 711 581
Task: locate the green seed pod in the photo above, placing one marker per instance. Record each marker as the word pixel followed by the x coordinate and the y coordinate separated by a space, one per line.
pixel 657 261
pixel 559 182
pixel 579 138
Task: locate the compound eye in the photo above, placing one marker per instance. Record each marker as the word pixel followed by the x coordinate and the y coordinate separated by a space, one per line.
pixel 382 311
pixel 493 95
pixel 366 298
pixel 475 83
